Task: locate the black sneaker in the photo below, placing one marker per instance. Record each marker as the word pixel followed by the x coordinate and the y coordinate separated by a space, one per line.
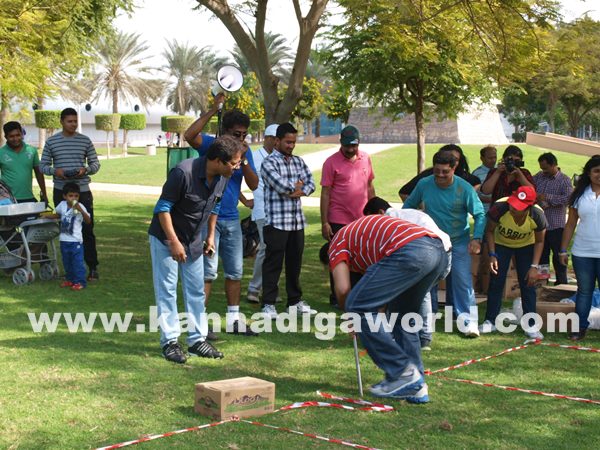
pixel 205 350
pixel 236 330
pixel 212 336
pixel 173 352
pixel 93 275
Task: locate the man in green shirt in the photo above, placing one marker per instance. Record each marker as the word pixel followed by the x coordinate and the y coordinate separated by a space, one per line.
pixel 17 162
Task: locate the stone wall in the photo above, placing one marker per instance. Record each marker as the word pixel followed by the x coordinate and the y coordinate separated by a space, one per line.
pixel 374 127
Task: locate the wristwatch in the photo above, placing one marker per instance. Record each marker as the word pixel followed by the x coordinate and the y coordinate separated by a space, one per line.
pixel 535 266
pixel 245 162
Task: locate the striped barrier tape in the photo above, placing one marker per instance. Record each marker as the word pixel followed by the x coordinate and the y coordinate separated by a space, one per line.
pixel 158 436
pixel 527 391
pixel 365 405
pixel 572 347
pixel 485 358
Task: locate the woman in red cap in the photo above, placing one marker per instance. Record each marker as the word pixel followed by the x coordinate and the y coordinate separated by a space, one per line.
pixel 516 226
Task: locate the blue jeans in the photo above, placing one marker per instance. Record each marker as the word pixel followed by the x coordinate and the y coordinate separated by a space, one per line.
pixel 165 272
pixel 429 303
pixel 523 260
pixel 587 271
pixel 399 281
pixel 72 257
pixel 459 283
pixel 229 246
pixel 255 283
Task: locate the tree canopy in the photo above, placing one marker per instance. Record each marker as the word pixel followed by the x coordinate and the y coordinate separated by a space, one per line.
pixel 431 57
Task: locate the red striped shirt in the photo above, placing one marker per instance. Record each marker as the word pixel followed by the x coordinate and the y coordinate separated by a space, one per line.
pixel 369 239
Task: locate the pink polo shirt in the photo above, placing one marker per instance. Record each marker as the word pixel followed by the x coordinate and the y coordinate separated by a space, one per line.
pixel 348 181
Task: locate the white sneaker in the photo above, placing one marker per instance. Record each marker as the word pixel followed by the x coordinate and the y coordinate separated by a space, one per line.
pixel 537 335
pixel 472 331
pixel 301 308
pixel 487 327
pixel 269 312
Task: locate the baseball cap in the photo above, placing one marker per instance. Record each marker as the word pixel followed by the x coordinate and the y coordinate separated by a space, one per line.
pixel 271 130
pixel 349 136
pixel 522 198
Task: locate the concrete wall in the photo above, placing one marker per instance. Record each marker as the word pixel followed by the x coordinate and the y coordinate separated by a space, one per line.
pixel 569 144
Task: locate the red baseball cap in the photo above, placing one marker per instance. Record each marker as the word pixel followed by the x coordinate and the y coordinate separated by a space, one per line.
pixel 522 198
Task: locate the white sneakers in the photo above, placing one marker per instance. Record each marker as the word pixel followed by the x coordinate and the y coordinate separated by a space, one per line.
pixel 472 330
pixel 487 327
pixel 269 312
pixel 301 308
pixel 534 334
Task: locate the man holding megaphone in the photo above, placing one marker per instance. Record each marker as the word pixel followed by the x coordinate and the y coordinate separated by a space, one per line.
pixel 228 233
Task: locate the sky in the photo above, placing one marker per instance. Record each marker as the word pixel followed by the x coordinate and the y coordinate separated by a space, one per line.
pixel 160 20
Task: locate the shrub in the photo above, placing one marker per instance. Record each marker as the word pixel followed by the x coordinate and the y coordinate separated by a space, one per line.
pixel 47 119
pixel 107 122
pixel 132 122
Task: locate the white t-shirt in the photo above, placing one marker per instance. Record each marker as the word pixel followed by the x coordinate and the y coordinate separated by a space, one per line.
pixel 586 243
pixel 71 222
pixel 258 212
pixel 423 220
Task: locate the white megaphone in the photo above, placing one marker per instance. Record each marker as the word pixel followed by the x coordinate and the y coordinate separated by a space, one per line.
pixel 229 78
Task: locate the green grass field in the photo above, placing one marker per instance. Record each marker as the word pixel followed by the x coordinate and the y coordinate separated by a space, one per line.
pixel 83 390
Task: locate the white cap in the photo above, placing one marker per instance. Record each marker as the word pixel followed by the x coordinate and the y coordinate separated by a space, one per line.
pixel 271 130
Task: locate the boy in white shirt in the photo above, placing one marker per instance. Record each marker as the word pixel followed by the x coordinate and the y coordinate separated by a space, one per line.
pixel 72 214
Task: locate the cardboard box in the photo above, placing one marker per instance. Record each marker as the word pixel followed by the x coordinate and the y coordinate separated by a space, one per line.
pixel 544 308
pixel 241 397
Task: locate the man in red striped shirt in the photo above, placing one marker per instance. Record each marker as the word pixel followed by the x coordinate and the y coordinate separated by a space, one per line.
pixel 400 261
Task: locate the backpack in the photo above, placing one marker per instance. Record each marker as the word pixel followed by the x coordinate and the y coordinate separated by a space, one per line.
pixel 250 237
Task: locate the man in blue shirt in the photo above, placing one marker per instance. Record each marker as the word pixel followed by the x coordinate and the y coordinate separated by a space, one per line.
pixel 228 233
pixel 449 200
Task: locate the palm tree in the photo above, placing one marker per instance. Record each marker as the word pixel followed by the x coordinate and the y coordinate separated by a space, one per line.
pixel 279 53
pixel 121 60
pixel 193 70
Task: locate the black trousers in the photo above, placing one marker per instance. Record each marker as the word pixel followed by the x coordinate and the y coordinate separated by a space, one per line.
pixel 89 239
pixel 552 242
pixel 282 245
pixel 354 276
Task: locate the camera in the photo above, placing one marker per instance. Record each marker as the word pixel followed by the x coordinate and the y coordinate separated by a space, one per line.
pixel 510 163
pixel 71 173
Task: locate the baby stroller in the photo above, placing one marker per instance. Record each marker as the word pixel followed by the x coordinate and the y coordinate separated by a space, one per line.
pixel 26 239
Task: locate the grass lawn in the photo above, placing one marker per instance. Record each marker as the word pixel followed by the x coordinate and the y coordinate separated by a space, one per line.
pixel 151 170
pixel 82 390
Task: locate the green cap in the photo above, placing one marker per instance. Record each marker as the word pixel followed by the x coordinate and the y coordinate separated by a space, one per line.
pixel 349 136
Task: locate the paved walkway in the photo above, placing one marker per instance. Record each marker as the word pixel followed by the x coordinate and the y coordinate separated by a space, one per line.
pixel 313 160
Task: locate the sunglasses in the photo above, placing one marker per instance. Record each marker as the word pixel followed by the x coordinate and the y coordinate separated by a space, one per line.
pixel 239 134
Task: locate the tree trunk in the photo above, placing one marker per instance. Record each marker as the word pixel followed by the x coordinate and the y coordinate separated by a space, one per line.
pixel 115 107
pixel 4 110
pixel 254 49
pixel 41 131
pixel 124 143
pixel 107 145
pixel 318 126
pixel 420 124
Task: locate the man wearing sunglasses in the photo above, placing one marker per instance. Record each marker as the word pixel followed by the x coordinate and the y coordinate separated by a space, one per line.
pixel 228 233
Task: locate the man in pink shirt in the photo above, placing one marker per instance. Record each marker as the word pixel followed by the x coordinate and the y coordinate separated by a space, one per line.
pixel 347 185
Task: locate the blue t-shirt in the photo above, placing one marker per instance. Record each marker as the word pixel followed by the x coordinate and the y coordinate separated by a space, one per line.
pixel 450 207
pixel 230 199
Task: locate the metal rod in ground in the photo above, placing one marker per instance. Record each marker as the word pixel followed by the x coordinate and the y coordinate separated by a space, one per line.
pixel 357 360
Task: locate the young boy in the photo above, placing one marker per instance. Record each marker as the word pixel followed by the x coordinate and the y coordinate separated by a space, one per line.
pixel 72 214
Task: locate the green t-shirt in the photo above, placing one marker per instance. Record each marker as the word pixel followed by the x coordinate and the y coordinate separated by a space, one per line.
pixel 17 169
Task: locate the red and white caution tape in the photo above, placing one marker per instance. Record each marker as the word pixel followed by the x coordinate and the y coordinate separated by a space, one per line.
pixel 159 436
pixel 365 405
pixel 473 361
pixel 527 391
pixel 310 435
pixel 572 347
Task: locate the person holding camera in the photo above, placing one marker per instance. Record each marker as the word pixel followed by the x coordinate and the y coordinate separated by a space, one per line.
pixel 508 176
pixel 70 157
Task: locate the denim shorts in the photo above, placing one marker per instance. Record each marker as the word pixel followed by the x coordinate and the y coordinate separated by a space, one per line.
pixel 229 246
